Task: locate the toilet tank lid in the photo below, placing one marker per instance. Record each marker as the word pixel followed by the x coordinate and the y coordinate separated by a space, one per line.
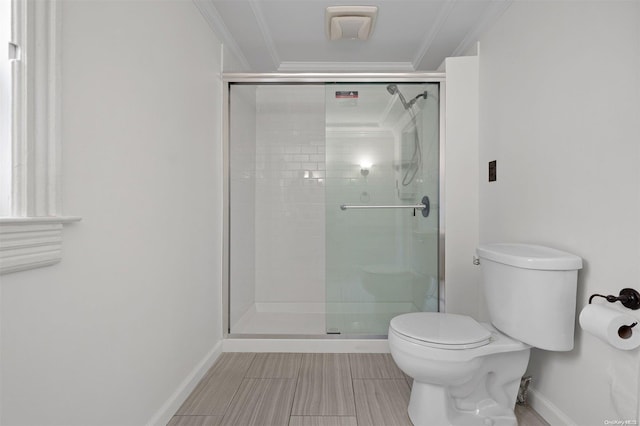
pixel 530 256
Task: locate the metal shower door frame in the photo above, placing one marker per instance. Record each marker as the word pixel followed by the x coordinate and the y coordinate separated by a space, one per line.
pixel 320 79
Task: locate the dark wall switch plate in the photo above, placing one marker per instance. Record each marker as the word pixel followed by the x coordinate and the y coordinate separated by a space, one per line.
pixel 492 171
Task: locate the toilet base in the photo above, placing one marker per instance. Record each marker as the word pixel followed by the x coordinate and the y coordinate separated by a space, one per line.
pixel 463 387
pixel 433 405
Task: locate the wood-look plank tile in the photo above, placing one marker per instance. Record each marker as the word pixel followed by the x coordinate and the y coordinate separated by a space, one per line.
pixel 261 402
pixel 324 386
pixel 409 380
pixel 231 362
pixel 382 402
pixel 323 421
pixel 275 365
pixel 374 366
pixel 528 417
pixel 195 421
pixel 212 395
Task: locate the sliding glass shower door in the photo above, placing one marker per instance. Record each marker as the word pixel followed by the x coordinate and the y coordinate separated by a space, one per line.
pixel 381 196
pixel 276 213
pixel 328 188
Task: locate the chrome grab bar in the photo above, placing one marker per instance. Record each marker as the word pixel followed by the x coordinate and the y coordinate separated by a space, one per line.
pixel 425 206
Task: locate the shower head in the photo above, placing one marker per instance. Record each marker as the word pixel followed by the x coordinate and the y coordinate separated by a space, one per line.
pixel 393 89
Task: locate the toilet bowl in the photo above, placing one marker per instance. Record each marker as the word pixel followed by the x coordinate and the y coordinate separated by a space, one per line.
pixel 464 372
pixel 467 373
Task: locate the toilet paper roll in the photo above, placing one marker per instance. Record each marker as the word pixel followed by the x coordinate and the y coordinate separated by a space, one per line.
pixel 611 326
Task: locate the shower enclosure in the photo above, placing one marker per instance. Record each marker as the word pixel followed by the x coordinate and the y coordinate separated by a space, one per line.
pixel 332 192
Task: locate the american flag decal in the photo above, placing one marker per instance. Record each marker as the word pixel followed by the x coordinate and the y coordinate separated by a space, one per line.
pixel 347 94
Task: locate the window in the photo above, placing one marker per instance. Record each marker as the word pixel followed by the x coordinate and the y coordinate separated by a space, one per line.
pixel 31 220
pixel 5 109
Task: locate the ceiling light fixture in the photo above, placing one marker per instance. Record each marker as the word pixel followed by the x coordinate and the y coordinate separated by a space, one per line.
pixel 350 22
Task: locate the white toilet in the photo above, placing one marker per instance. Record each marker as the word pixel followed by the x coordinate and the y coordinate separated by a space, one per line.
pixel 468 373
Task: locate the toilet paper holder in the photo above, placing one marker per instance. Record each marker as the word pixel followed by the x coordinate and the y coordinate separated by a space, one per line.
pixel 629 297
pixel 626 331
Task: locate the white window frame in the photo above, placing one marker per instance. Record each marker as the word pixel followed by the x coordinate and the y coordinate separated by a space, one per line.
pixel 31 236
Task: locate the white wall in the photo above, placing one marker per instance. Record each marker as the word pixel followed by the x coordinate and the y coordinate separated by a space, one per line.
pixel 560 112
pixel 461 186
pixel 231 63
pixel 107 336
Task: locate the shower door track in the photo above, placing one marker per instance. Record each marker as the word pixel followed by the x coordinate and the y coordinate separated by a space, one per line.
pixel 328 78
pixel 322 78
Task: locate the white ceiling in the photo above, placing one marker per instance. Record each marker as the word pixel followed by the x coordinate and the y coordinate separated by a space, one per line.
pixel 289 35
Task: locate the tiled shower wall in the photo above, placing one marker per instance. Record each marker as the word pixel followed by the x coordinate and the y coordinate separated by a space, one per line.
pixel 290 176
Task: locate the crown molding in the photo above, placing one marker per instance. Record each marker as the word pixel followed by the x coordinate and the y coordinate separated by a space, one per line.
pixel 216 23
pixel 443 15
pixel 346 66
pixel 266 34
pixel 490 16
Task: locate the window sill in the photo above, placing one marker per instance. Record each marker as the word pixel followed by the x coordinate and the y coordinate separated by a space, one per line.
pixel 31 242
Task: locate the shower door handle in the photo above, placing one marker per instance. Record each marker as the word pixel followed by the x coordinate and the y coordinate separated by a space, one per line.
pixel 425 207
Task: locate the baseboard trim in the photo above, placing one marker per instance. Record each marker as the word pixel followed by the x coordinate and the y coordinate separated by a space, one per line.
pixel 548 410
pixel 169 408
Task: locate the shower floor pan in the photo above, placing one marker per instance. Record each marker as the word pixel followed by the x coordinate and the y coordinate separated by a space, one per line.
pixel 351 319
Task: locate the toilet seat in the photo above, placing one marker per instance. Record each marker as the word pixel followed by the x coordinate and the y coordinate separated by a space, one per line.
pixel 440 330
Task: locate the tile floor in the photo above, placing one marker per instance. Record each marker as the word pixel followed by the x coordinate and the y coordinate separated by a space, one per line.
pixel 292 389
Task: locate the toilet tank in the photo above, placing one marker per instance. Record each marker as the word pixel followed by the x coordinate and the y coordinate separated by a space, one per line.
pixel 530 292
